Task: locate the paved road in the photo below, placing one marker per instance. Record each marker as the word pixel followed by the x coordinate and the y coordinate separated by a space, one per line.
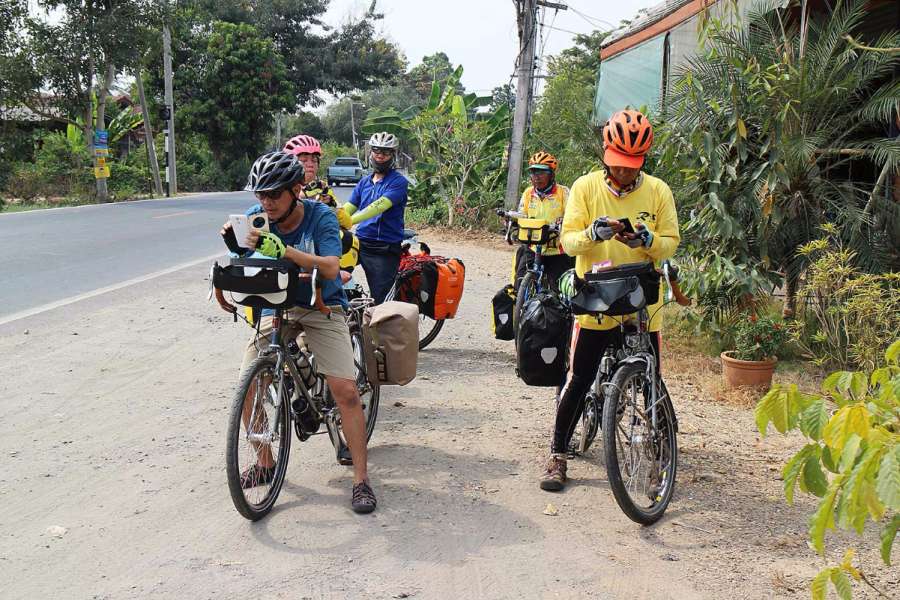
pixel 54 256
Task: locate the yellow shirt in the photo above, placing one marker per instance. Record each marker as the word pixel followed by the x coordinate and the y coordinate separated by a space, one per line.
pixel 651 203
pixel 317 190
pixel 550 208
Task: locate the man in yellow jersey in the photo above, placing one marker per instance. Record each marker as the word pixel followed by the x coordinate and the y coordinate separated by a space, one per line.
pixel 592 231
pixel 543 199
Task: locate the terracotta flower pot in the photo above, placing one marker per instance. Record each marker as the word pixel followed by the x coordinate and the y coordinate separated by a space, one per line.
pixel 753 373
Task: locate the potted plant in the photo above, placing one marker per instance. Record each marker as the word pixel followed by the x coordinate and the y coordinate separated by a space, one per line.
pixel 757 341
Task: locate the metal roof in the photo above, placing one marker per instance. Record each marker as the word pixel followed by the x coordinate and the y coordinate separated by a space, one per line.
pixel 647 18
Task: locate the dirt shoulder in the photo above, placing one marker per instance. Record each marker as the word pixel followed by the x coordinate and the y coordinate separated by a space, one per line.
pixel 113 411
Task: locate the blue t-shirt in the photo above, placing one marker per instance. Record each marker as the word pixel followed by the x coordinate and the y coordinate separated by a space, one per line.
pixel 388 226
pixel 319 234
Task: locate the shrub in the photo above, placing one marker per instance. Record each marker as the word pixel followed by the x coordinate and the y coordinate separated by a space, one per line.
pixel 758 338
pixel 851 460
pixel 849 316
pixel 198 170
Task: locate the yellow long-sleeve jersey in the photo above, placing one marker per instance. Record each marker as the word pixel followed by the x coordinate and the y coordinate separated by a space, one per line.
pixel 651 203
pixel 550 208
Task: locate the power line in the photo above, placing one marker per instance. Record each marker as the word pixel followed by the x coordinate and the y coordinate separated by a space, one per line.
pixel 594 21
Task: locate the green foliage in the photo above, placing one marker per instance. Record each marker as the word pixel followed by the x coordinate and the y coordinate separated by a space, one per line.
pixel 852 458
pixel 235 87
pixel 458 156
pixel 758 338
pixel 848 314
pixel 758 143
pixel 60 168
pixel 562 122
pixel 198 169
pixel 304 122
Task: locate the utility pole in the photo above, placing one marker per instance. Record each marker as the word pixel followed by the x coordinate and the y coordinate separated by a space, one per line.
pixel 169 116
pixel 528 30
pixel 527 35
pixel 148 133
pixel 353 129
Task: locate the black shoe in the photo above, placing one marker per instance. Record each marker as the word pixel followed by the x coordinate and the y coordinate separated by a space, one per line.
pixel 257 475
pixel 363 500
pixel 343 456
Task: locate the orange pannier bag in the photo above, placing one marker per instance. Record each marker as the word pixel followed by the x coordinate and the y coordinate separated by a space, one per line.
pixel 442 288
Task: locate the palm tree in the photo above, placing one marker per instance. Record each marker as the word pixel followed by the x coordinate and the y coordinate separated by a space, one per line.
pixel 773 132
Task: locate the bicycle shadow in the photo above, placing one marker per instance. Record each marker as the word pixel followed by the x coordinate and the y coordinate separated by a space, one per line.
pixel 461 517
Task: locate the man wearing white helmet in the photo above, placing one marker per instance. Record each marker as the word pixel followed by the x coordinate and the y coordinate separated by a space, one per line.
pixel 377 205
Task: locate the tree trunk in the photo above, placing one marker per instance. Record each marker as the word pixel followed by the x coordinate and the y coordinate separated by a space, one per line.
pixel 102 191
pixel 791 283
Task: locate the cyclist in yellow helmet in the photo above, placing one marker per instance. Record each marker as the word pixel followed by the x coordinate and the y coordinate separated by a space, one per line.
pixel 543 199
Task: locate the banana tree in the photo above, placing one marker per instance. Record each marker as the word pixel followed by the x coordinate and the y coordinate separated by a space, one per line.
pixel 457 152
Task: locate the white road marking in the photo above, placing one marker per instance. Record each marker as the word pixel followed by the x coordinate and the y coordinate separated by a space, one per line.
pixel 176 214
pixel 110 288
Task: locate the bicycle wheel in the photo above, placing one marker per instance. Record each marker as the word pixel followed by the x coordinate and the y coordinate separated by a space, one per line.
pixel 528 289
pixel 640 458
pixel 428 330
pixel 259 432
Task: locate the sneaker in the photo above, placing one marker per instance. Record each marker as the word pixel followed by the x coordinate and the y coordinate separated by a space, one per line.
pixel 257 475
pixel 363 500
pixel 343 456
pixel 554 478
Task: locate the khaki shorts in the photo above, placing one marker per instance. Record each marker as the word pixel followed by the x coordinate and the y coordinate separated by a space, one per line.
pixel 328 338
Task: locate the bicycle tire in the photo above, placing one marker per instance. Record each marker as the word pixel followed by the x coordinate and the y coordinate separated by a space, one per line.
pixel 664 448
pixel 590 423
pixel 432 332
pixel 255 511
pixel 370 408
pixel 528 288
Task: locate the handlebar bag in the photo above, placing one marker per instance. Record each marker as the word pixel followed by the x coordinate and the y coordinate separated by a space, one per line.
pixel 534 231
pixel 259 283
pixel 618 291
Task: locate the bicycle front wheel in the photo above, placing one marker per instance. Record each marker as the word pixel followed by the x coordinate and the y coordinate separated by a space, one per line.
pixel 641 456
pixel 369 393
pixel 528 289
pixel 259 439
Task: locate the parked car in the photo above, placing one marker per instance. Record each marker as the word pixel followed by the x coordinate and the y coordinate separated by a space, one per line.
pixel 345 169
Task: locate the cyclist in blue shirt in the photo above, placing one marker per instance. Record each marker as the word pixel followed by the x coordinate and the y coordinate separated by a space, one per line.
pixel 377 204
pixel 306 233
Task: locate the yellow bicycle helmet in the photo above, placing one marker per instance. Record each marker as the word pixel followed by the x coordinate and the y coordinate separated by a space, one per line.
pixel 543 160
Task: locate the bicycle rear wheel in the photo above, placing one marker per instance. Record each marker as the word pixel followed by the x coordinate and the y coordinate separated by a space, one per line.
pixel 428 330
pixel 259 434
pixel 641 458
pixel 528 289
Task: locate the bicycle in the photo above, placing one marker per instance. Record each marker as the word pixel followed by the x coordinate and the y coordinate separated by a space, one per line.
pixel 529 232
pixel 629 401
pixel 283 387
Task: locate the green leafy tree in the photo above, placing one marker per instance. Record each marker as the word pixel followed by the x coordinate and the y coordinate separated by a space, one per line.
pixel 763 132
pixel 433 68
pixel 458 157
pixel 304 122
pixel 231 91
pixel 562 122
pixel 64 68
pixel 851 460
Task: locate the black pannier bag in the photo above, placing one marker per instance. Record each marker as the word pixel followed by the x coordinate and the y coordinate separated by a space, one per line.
pixel 542 341
pixel 618 291
pixel 259 282
pixel 502 306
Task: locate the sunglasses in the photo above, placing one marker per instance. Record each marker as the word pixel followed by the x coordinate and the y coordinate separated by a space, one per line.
pixel 382 151
pixel 270 195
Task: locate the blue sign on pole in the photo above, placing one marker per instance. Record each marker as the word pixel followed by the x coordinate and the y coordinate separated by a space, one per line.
pixel 101 138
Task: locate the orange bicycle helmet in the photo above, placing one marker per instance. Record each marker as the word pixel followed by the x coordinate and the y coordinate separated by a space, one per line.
pixel 543 160
pixel 627 137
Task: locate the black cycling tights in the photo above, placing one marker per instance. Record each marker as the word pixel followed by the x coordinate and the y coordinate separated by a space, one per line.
pixel 590 344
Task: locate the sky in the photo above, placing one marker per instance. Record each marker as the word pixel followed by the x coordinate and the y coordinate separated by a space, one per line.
pixel 481 35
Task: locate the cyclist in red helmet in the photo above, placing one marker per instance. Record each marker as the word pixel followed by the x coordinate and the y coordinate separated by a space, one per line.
pixel 594 232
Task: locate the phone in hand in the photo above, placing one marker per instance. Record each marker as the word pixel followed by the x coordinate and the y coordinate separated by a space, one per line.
pixel 626 223
pixel 242 224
